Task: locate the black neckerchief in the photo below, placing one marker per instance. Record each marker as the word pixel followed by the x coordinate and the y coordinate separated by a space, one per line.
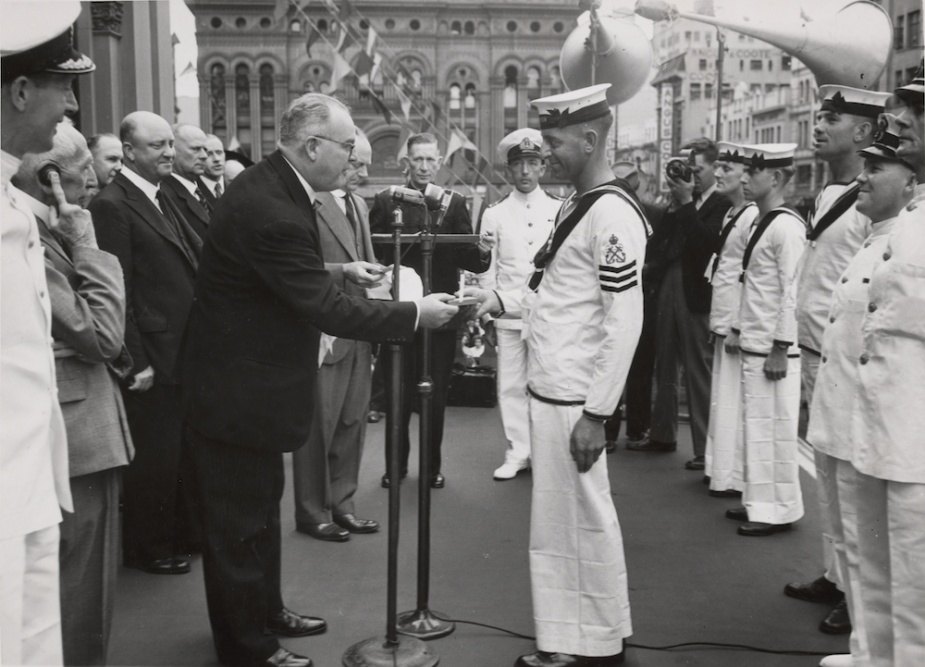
pixel 842 204
pixel 759 232
pixel 724 235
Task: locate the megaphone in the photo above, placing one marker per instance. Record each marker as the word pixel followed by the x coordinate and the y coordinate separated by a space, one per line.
pixel 604 49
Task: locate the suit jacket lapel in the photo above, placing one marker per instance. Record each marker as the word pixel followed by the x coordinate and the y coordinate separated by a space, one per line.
pixel 298 194
pixel 330 215
pixel 191 202
pixel 365 240
pixel 51 244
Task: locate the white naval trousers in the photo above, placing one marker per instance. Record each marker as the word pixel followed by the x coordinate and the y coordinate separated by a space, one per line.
pixel 512 395
pixel 771 412
pixel 30 600
pixel 890 550
pixel 809 369
pixel 724 457
pixel 577 565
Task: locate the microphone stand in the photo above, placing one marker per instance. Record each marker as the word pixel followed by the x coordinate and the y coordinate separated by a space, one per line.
pixel 395 650
pixel 421 622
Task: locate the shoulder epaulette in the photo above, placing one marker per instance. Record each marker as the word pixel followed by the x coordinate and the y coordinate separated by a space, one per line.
pixel 552 196
pixel 495 203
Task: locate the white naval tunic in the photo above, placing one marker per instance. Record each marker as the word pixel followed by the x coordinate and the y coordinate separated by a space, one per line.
pixel 770 409
pixel 724 453
pixel 582 329
pixel 33 447
pixel 521 224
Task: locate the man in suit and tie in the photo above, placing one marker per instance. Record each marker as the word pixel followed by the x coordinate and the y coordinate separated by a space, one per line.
pixel 682 248
pixel 182 186
pixel 107 157
pixel 88 325
pixel 212 181
pixel 263 297
pixel 159 252
pixel 325 471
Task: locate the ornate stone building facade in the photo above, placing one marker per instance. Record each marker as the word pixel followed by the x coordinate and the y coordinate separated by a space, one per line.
pixel 469 67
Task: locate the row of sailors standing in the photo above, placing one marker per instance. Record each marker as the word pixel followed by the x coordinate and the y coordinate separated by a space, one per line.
pixel 851 296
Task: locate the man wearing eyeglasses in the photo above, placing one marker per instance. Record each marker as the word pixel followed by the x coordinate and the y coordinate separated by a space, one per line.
pixel 250 361
pixel 520 223
pixel 422 163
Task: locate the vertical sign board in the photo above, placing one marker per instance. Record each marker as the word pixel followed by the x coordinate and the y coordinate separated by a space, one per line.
pixel 665 133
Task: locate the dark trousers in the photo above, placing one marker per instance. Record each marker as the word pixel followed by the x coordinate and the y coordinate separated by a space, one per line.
pixel 152 481
pixel 239 494
pixel 89 560
pixel 682 338
pixel 442 354
pixel 637 396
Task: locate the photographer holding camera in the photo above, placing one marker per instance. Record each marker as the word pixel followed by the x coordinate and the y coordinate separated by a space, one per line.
pixel 683 246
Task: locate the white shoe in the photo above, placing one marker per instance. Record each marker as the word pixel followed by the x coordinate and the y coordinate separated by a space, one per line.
pixel 843 660
pixel 509 470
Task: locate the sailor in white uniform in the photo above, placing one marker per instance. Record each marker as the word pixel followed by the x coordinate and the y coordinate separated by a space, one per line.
pixel 845 123
pixel 724 454
pixel 582 316
pixel 520 223
pixel 765 335
pixel 866 416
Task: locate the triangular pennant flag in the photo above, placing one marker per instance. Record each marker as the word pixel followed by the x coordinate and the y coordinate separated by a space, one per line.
pixel 380 107
pixel 344 38
pixel 405 102
pixel 346 9
pixel 453 145
pixel 403 142
pixel 364 65
pixel 189 69
pixel 312 39
pixel 340 69
pixel 234 144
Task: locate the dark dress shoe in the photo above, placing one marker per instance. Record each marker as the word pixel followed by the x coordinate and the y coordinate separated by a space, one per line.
pixel 373 416
pixel 819 590
pixel 352 524
pixel 737 514
pixel 171 565
pixel 438 481
pixel 610 446
pixel 759 529
pixel 837 622
pixel 544 659
pixel 696 463
pixel 284 658
pixel 290 624
pixel 329 532
pixel 386 482
pixel 726 493
pixel 651 446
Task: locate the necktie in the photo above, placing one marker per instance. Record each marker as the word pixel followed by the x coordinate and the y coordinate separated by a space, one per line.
pixel 200 195
pixel 218 189
pixel 351 216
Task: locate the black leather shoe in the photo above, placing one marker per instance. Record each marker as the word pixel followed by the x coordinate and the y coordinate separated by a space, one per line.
pixel 819 590
pixel 544 659
pixel 373 417
pixel 284 658
pixel 696 463
pixel 759 529
pixel 737 514
pixel 329 532
pixel 386 482
pixel 726 493
pixel 651 446
pixel 837 622
pixel 610 446
pixel 438 481
pixel 290 624
pixel 171 565
pixel 352 524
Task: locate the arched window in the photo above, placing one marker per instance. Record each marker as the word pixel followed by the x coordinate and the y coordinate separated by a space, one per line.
pixel 267 110
pixel 470 27
pixel 510 87
pixel 242 93
pixel 533 80
pixel 217 98
pixel 266 89
pixel 470 99
pixel 295 26
pixel 455 94
pixel 555 79
pixel 456 28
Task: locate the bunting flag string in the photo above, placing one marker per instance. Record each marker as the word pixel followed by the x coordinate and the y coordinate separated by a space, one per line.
pixel 371 58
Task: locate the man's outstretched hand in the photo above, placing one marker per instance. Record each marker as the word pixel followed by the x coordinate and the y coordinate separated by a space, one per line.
pixel 434 312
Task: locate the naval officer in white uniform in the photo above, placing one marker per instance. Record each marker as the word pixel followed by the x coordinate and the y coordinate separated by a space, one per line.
pixel 582 313
pixel 520 222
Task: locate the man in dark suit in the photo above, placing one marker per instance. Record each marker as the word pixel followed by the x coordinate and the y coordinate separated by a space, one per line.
pixel 88 324
pixel 263 297
pixel 159 253
pixel 212 182
pixel 182 186
pixel 422 163
pixel 325 471
pixel 682 249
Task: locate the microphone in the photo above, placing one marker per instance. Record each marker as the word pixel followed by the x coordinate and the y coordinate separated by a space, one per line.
pixel 437 197
pixel 398 193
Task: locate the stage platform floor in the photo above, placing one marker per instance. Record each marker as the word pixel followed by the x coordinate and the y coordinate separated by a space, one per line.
pixel 692 579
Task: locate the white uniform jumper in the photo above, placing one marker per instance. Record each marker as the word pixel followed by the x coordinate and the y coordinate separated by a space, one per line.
pixel 824 260
pixel 521 224
pixel 770 409
pixel 724 456
pixel 582 327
